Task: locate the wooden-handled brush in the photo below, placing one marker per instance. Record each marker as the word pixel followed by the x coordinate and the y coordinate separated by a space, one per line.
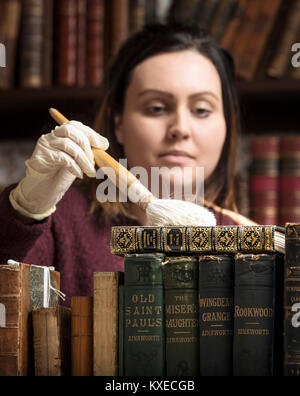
pixel 160 212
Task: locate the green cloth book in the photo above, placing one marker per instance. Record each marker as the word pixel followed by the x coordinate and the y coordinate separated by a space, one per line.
pixel 181 315
pixel 216 290
pixel 144 341
pixel 254 313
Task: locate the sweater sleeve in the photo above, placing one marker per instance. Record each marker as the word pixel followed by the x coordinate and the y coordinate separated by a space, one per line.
pixel 32 244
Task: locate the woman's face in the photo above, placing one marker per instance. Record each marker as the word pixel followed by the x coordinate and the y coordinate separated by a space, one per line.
pixel 173 116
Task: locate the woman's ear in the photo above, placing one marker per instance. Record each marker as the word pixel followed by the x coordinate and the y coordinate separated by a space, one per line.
pixel 119 129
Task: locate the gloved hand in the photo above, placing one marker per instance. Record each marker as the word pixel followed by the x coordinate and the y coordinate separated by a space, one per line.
pixel 58 159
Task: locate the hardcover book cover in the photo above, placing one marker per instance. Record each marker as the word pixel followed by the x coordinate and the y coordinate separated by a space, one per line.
pixel 180 276
pixel 144 340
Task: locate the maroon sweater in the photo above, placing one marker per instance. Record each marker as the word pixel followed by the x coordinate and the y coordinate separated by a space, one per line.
pixel 76 244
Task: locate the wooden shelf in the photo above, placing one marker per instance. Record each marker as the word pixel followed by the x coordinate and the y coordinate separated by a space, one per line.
pixel 266 105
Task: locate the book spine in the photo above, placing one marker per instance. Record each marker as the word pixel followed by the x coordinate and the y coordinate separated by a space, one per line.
pixel 291 362
pixel 264 179
pixel 216 307
pixel 81 43
pixel 82 336
pixel 144 341
pixel 254 309
pixel 243 31
pixel 180 240
pixel 281 59
pixel 32 42
pixel 48 43
pixel 180 275
pixel 137 15
pixel 289 179
pixel 10 330
pixel 121 332
pixel 66 39
pixel 10 27
pixel 261 30
pixel 51 335
pixel 229 32
pixel 95 42
pixel 105 325
pixel 119 24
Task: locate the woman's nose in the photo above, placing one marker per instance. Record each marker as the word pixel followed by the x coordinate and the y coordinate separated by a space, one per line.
pixel 179 126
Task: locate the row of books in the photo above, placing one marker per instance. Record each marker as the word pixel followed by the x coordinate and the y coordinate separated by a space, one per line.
pixel 268 185
pixel 259 35
pixel 67 42
pixel 167 314
pixel 70 42
pixel 51 42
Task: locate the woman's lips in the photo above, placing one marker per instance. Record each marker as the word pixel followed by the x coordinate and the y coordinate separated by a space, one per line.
pixel 176 157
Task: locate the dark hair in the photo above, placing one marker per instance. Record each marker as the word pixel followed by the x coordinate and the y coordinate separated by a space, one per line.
pixel 163 38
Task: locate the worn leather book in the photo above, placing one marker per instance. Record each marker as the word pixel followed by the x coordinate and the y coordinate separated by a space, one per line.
pixel 291 362
pixel 10 23
pixel 32 44
pixel 95 42
pixel 52 341
pixel 66 42
pixel 264 179
pixel 82 336
pixel 22 286
pixel 261 29
pixel 216 292
pixel 172 239
pixel 254 314
pixel 105 323
pixel 289 180
pixel 144 340
pixel 180 275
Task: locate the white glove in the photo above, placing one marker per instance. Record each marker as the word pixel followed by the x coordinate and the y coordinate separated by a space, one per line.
pixel 58 158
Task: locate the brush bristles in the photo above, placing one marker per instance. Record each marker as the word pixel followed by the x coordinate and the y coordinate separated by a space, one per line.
pixel 166 212
pixel 279 241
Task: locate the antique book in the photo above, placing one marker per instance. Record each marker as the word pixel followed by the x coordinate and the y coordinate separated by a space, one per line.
pixel 261 29
pixel 243 31
pixel 121 328
pixel 289 179
pixel 180 240
pixel 216 292
pixel 264 179
pixel 105 323
pixel 81 57
pixel 22 286
pixel 48 43
pixel 180 277
pixel 254 314
pixel 291 361
pixel 52 341
pixel 119 24
pixel 95 42
pixel 82 336
pixel 32 44
pixel 137 15
pixel 278 66
pixel 10 24
pixel 66 42
pixel 144 340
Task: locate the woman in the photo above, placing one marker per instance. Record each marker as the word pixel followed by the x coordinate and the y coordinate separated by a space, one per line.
pixel 170 104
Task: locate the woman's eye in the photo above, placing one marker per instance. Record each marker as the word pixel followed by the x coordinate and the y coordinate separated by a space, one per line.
pixel 201 112
pixel 155 109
